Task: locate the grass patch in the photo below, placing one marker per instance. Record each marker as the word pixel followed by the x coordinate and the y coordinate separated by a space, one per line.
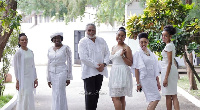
pixel 183 82
pixel 5 99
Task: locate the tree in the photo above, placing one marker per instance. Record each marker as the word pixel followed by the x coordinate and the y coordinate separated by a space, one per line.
pixel 9 21
pixel 193 84
pixel 156 15
pixel 188 1
pixel 192 14
pixel 9 50
pixel 107 11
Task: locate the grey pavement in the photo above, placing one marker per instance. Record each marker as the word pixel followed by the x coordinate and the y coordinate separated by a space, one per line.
pixel 76 101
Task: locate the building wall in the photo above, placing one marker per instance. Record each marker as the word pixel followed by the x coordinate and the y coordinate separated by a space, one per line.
pixel 39 40
pixel 39 35
pixel 132 8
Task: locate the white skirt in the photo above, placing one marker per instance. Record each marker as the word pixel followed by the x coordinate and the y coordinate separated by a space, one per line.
pixel 171 89
pixel 59 99
pixel 25 100
pixel 120 81
pixel 150 89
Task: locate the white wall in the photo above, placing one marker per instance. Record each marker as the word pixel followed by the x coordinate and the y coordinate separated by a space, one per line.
pixel 39 40
pixel 39 35
pixel 131 9
pixel 108 33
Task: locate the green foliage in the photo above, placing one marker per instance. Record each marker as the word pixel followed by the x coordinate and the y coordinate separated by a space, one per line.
pixel 8 21
pixel 2 8
pixel 194 13
pixel 107 11
pixel 9 50
pixel 11 21
pixel 48 7
pixel 4 100
pixel 193 47
pixel 156 15
pixel 134 26
pixel 110 11
pixel 2 87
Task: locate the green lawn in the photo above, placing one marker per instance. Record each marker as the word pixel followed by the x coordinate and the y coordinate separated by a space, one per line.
pixel 4 100
pixel 183 82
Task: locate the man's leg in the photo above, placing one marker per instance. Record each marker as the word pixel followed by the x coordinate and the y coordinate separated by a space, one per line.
pixel 89 86
pixel 98 84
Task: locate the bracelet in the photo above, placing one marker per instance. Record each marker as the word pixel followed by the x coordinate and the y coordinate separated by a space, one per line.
pixel 138 84
pixel 123 56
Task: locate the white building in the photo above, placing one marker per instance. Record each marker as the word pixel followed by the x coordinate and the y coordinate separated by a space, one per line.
pixel 39 40
pixel 39 35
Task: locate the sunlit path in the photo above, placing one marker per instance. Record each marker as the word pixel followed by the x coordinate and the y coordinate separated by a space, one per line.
pixel 76 101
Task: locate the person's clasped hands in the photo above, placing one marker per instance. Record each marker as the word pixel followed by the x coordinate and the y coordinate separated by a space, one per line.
pixel 101 67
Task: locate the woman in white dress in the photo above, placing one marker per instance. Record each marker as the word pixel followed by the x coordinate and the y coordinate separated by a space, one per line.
pixel 59 73
pixel 120 81
pixel 146 69
pixel 25 73
pixel 169 77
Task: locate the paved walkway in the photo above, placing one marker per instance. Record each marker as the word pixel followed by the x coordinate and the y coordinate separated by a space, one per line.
pixel 75 95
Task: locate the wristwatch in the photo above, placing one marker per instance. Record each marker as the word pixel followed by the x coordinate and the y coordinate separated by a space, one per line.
pixel 138 84
pixel 105 64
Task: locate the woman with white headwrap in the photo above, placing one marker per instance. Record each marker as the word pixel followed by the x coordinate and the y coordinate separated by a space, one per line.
pixel 59 73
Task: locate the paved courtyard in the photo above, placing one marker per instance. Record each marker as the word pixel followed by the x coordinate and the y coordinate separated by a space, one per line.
pixel 75 95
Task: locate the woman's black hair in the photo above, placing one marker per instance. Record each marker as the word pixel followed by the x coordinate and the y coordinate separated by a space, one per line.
pixel 122 29
pixel 61 37
pixel 20 35
pixel 170 29
pixel 142 35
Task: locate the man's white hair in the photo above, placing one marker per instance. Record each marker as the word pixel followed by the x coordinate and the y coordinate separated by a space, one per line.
pixel 90 24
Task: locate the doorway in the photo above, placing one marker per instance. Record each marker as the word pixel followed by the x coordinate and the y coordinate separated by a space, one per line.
pixel 78 34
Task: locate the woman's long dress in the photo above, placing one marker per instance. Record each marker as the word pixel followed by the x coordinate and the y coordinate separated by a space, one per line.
pixel 25 99
pixel 120 81
pixel 58 73
pixel 171 89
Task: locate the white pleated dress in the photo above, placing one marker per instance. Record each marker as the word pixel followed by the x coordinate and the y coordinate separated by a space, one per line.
pixel 120 80
pixel 148 71
pixel 171 89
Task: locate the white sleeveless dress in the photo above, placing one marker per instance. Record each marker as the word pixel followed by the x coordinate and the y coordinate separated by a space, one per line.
pixel 120 80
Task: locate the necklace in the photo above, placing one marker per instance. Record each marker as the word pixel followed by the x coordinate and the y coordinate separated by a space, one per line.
pixel 147 53
pixel 57 47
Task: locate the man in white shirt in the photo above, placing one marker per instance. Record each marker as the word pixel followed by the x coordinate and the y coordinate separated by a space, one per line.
pixel 94 55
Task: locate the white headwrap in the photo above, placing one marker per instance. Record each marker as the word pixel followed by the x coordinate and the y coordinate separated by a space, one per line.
pixel 56 34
